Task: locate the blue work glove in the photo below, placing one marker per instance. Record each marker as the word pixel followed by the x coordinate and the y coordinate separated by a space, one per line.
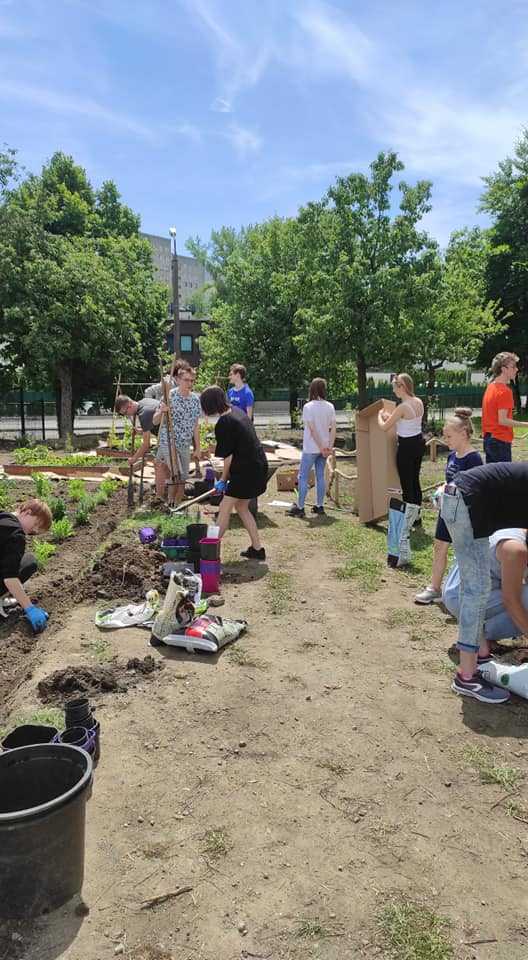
pixel 37 617
pixel 221 486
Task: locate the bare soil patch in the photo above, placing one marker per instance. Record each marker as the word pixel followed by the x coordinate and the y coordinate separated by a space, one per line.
pixel 297 799
pixel 124 571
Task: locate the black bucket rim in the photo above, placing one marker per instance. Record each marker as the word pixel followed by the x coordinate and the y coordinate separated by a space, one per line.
pixel 11 756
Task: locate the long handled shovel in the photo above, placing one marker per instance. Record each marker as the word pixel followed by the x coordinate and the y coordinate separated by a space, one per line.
pixel 141 487
pixel 130 488
pixel 175 486
pixel 189 503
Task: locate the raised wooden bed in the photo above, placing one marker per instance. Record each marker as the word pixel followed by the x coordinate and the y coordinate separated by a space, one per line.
pixel 26 469
pixel 113 453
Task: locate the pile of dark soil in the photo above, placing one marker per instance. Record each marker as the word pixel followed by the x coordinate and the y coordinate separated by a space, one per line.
pixel 62 684
pixel 124 572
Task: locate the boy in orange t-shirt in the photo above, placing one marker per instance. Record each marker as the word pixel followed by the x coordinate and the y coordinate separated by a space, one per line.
pixel 497 409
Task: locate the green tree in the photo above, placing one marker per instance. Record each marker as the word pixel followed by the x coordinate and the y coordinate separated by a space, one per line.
pixel 454 317
pixel 78 300
pixel 361 267
pixel 254 319
pixel 505 199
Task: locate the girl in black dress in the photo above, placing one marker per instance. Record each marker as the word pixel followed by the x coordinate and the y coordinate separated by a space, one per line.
pixel 245 473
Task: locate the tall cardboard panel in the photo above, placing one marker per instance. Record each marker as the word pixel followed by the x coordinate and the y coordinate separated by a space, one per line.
pixel 377 476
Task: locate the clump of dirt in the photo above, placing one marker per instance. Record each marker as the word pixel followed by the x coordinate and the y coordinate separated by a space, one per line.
pixel 145 666
pixel 97 679
pixel 147 952
pixel 125 571
pixel 61 684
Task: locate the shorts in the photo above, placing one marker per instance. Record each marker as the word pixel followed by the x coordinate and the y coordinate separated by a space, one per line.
pixel 441 532
pixel 184 458
pixel 249 483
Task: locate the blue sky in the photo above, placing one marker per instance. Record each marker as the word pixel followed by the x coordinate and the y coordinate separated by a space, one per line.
pixel 211 112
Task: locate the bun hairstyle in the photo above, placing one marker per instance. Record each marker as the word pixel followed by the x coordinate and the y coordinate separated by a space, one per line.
pixel 460 419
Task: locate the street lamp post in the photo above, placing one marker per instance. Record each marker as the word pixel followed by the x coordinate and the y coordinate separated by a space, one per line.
pixel 175 293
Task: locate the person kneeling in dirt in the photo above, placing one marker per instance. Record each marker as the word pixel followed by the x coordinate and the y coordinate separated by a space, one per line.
pixel 17 565
pixel 245 473
pixel 507 609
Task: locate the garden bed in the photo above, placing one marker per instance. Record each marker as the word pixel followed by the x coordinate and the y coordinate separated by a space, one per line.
pixel 25 470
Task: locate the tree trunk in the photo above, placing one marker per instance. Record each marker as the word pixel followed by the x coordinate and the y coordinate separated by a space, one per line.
pixel 517 395
pixel 66 401
pixel 362 380
pixel 57 392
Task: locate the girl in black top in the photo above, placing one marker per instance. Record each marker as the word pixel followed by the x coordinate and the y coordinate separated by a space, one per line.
pixel 245 473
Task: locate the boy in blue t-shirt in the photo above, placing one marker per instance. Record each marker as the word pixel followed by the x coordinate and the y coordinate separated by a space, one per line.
pixel 239 394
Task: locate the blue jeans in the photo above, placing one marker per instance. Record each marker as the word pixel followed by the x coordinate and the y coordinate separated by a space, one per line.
pixel 473 560
pixel 498 625
pixel 497 451
pixel 308 460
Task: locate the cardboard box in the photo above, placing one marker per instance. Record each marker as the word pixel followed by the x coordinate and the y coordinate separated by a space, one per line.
pixel 377 474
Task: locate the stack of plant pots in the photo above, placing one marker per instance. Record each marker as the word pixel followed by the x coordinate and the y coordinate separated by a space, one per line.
pixel 210 564
pixel 195 533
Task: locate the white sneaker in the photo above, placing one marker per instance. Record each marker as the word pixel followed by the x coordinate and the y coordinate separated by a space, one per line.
pixel 428 595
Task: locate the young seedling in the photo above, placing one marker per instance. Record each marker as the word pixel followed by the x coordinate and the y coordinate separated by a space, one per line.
pixel 76 489
pixel 6 490
pixel 61 529
pixel 57 507
pixel 216 843
pixel 43 485
pixel 43 551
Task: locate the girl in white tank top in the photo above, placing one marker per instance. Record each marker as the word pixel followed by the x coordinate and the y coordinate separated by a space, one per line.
pixel 407 418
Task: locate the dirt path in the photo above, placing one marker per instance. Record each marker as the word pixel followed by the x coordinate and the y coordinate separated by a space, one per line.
pixel 310 772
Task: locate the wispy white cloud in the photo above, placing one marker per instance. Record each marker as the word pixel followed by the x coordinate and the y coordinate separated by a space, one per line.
pixel 61 103
pixel 242 54
pixel 333 43
pixel 244 141
pixel 188 130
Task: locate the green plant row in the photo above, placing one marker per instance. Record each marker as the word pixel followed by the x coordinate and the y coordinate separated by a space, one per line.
pixel 40 456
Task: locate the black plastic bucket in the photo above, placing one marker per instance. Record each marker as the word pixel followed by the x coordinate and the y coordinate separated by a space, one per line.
pixel 78 712
pixel 28 734
pixel 78 737
pixel 210 548
pixel 43 794
pixel 195 533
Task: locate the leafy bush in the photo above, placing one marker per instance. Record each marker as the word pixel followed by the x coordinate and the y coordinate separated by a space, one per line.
pixel 43 485
pixel 6 490
pixel 57 507
pixel 61 529
pixel 43 551
pixel 100 497
pixel 76 489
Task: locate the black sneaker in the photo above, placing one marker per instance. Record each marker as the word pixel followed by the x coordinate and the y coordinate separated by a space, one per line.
pixel 479 689
pixel 295 511
pixel 319 510
pixel 252 554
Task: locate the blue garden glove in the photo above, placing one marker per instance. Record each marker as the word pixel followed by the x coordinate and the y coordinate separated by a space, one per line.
pixel 221 486
pixel 37 617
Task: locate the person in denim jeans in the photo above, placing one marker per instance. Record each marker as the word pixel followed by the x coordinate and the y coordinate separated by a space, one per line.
pixel 475 505
pixel 507 607
pixel 319 437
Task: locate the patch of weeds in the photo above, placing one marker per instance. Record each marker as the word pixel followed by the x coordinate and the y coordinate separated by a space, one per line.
pixel 334 766
pixel 312 929
pixel 490 771
pixel 242 658
pixel 279 592
pixel 517 812
pixel 445 667
pixel 402 617
pixel 413 932
pixel 293 678
pixel 364 549
pixel 43 551
pixel 61 529
pixel 101 649
pixel 216 843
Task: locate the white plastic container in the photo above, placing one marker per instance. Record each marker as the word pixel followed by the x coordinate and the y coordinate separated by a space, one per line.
pixel 508 676
pixel 213 532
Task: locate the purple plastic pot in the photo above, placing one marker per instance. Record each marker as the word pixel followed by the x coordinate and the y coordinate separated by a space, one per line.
pixel 147 535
